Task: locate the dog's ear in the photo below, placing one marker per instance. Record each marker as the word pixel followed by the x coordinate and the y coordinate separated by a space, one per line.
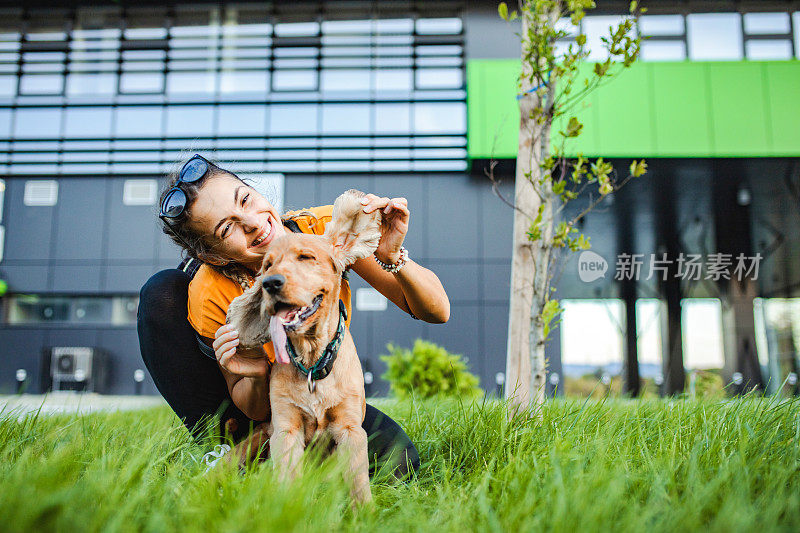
pixel 246 313
pixel 353 233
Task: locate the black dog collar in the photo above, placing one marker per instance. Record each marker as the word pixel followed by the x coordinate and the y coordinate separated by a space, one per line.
pixel 322 368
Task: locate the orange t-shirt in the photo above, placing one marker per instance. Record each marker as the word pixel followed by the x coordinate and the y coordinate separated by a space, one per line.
pixel 210 293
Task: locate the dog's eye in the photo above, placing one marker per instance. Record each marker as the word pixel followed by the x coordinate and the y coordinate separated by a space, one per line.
pixel 267 266
pixel 305 257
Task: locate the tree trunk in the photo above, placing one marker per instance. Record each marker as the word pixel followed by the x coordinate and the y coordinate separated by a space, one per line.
pixel 530 263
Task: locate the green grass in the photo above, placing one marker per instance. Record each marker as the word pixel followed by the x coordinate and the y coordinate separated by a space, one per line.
pixel 617 465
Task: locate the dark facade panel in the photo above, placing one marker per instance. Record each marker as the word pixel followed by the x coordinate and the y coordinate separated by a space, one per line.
pixel 131 229
pixel 496 281
pixel 82 212
pixel 332 186
pixel 126 279
pixel 497 219
pixel 123 346
pixel 300 192
pixel 461 334
pixel 453 205
pixel 20 348
pixel 460 279
pixel 29 229
pixel 494 328
pixel 25 278
pixel 412 188
pixel 70 279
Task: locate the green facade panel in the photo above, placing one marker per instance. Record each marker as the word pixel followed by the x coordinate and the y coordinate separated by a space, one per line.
pixel 684 109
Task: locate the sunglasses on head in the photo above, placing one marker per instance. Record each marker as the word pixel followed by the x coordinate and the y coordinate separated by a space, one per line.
pixel 174 203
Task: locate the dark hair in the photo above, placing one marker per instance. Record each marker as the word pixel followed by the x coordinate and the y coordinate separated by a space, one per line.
pixel 193 243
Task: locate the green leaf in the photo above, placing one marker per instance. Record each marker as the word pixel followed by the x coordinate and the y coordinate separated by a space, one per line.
pixel 574 128
pixel 638 168
pixel 502 10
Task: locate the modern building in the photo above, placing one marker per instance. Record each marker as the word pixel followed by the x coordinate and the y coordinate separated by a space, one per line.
pixel 99 100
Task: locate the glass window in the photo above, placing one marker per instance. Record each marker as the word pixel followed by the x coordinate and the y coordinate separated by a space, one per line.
pixel 766 23
pixel 2 198
pixel 244 81
pixel 796 24
pixel 768 49
pixel 440 118
pixel 392 80
pixel 702 333
pixel 345 118
pixel 190 82
pixel 661 25
pixel 294 80
pixel 42 193
pixel 138 121
pixel 139 192
pixel 36 309
pixel 439 78
pixel 91 84
pixel 590 337
pixel 338 80
pixel 145 33
pixel 5 123
pixel 595 28
pixel 392 118
pixel 41 84
pixel 87 122
pixel 399 26
pixel 714 36
pixel 663 51
pixel 293 119
pixel 565 24
pixel 37 123
pixel 2 240
pixel 32 309
pixel 141 82
pixel 190 121
pixel 123 310
pixel 242 120
pixel 346 26
pixel 438 26
pixel 8 85
pixel 297 29
pixel 92 310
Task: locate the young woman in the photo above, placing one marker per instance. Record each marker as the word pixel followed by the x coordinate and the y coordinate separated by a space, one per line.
pixel 225 226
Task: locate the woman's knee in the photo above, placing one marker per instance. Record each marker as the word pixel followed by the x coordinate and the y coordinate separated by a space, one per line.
pixel 163 295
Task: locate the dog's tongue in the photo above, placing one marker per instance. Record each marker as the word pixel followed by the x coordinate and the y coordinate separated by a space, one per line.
pixel 278 335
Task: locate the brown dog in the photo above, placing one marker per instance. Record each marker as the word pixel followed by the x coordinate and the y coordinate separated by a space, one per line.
pixel 296 298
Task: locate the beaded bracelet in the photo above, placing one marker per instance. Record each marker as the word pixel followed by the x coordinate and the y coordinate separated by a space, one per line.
pixel 394 268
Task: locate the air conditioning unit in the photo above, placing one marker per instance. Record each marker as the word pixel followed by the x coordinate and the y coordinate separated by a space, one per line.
pixel 77 368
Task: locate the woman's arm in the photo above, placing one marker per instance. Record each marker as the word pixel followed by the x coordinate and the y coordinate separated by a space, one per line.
pixel 247 377
pixel 414 289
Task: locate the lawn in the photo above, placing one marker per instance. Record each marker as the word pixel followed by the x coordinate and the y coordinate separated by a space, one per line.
pixel 612 465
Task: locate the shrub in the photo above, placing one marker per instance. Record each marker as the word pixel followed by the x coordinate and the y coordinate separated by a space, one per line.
pixel 428 370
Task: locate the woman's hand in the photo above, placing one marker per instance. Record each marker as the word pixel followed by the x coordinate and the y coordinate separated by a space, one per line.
pixel 395 217
pixel 252 365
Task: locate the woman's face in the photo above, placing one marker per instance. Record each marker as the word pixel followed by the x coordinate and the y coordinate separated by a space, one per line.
pixel 238 222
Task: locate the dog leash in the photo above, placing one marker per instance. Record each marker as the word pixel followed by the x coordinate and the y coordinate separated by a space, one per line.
pixel 322 368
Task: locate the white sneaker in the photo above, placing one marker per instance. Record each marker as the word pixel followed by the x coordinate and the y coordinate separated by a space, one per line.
pixel 213 457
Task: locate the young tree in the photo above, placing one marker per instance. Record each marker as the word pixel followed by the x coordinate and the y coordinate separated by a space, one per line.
pixel 552 84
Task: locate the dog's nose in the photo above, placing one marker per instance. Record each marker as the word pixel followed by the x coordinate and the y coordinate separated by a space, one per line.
pixel 273 284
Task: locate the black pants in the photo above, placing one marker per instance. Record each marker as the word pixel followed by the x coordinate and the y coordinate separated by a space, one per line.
pixel 192 383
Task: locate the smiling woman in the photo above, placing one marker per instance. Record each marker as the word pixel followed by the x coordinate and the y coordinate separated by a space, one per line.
pixel 225 228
